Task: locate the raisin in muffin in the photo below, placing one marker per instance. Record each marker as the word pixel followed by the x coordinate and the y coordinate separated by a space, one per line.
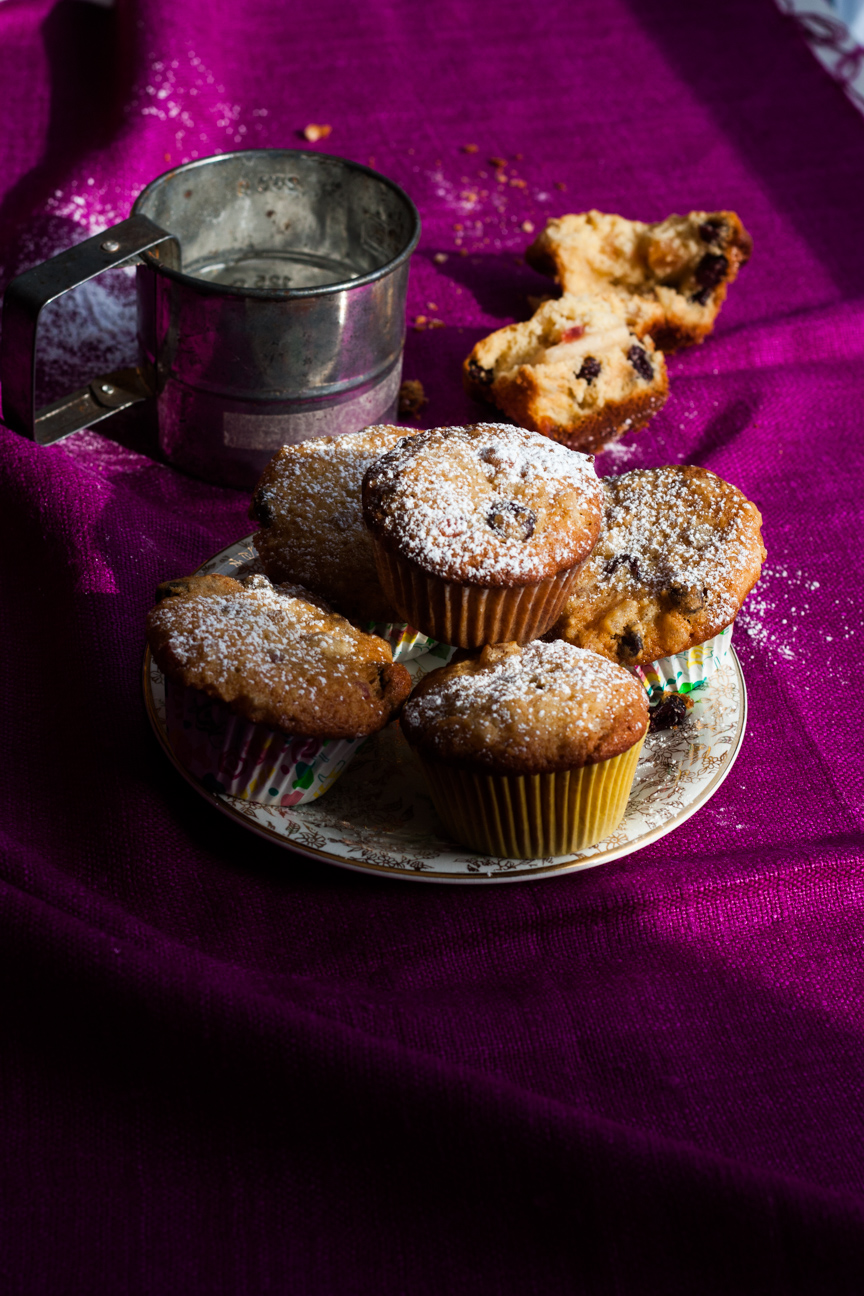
pixel 529 750
pixel 265 686
pixel 679 551
pixel 307 505
pixel 479 531
pixel 576 372
pixel 671 275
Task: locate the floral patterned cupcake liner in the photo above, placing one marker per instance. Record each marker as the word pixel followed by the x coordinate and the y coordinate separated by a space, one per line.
pixel 232 756
pixel 405 642
pixel 685 672
pixel 441 652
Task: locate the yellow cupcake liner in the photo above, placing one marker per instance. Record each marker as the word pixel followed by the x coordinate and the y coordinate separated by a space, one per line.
pixel 531 816
pixel 685 671
pixel 469 616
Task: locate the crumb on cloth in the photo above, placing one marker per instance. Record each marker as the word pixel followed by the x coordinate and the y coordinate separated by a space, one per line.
pixel 412 398
pixel 314 132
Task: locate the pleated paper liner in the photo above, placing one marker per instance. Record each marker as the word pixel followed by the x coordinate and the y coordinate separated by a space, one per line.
pixel 685 671
pixel 469 616
pixel 405 642
pixel 531 816
pixel 233 756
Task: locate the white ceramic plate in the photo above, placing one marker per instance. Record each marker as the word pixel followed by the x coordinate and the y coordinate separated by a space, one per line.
pixel 378 817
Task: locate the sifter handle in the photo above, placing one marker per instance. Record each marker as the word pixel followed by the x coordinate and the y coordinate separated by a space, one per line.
pixel 22 304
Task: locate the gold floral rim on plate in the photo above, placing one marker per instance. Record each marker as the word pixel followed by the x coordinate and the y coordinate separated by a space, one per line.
pixel 378 817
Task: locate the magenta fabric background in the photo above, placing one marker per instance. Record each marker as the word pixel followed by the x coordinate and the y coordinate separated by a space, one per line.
pixel 225 1069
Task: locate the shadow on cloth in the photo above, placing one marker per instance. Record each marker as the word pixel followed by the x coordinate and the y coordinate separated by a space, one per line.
pixel 791 109
pixel 437 356
pixel 87 70
pixel 202 1104
pixel 500 282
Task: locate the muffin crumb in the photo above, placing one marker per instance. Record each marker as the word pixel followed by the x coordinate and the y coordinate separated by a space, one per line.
pixel 670 713
pixel 314 132
pixel 412 398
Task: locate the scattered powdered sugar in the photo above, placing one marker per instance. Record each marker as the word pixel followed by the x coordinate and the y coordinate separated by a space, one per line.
pixel 262 630
pixel 91 330
pixel 185 95
pixel 618 452
pixel 487 502
pixel 796 618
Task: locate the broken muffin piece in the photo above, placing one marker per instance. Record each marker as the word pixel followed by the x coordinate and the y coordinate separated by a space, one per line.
pixel 576 372
pixel 671 275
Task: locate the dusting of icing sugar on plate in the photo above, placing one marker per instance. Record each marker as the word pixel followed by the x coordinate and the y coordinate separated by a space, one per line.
pixel 378 818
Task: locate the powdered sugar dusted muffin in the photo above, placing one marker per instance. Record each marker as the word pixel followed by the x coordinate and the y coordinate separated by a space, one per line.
pixel 671 275
pixel 262 684
pixel 529 750
pixel 307 505
pixel 479 530
pixel 576 371
pixel 679 551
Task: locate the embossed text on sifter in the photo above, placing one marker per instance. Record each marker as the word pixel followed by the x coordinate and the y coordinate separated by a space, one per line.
pixel 271 309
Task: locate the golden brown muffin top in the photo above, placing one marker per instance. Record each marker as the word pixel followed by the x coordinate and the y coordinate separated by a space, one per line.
pixel 671 276
pixel 527 709
pixel 692 253
pixel 490 504
pixel 679 551
pixel 275 658
pixel 307 505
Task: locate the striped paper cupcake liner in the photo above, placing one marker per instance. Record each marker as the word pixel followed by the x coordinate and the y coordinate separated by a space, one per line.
pixel 469 616
pixel 685 672
pixel 232 756
pixel 531 816
pixel 404 640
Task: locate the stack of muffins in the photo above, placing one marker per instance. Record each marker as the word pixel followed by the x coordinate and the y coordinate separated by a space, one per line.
pixel 561 593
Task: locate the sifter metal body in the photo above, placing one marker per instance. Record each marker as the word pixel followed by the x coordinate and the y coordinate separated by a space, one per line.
pixel 271 308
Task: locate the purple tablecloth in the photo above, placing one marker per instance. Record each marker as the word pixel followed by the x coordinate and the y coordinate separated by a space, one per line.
pixel 226 1069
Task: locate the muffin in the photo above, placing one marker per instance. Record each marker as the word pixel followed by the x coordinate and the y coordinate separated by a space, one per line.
pixel 268 694
pixel 479 531
pixel 307 506
pixel 529 751
pixel 576 372
pixel 671 276
pixel 679 551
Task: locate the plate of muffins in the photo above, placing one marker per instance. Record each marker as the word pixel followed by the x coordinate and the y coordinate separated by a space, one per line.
pixel 458 655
